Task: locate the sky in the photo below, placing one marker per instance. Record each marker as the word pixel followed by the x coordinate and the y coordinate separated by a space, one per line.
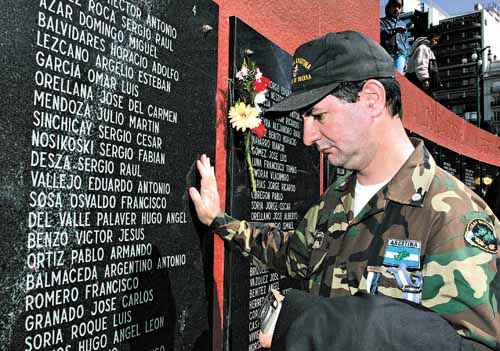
pixel 449 6
pixel 455 6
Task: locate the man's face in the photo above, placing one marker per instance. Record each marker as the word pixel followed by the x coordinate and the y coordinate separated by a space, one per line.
pixel 395 9
pixel 342 131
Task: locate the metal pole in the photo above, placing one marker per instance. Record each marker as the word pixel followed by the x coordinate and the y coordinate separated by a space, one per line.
pixel 478 116
pixel 478 94
pixel 479 75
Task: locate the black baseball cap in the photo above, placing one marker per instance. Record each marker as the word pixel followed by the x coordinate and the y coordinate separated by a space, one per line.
pixel 320 65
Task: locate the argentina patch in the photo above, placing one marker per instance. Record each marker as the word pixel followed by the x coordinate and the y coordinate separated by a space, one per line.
pixel 481 234
pixel 402 252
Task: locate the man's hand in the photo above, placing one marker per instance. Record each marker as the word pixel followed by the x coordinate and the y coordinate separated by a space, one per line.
pixel 206 201
pixel 267 338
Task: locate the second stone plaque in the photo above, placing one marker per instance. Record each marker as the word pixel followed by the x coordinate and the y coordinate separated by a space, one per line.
pixel 286 183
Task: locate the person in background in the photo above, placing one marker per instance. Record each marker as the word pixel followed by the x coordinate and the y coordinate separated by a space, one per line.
pixel 422 68
pixel 393 34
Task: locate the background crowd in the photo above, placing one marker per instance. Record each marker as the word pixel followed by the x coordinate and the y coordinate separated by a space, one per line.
pixel 413 57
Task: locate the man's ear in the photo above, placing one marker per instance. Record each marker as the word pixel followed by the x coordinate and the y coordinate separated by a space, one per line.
pixel 372 96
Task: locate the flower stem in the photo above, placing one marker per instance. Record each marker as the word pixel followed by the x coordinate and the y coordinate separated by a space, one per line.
pixel 248 158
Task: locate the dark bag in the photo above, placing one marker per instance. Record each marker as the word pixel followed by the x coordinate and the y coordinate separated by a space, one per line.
pixel 388 40
pixel 361 322
pixel 391 43
pixel 434 75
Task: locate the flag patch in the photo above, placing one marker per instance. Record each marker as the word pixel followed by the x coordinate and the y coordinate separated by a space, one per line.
pixel 406 252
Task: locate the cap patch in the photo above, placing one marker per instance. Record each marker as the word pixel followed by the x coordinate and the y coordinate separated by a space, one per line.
pixel 481 234
pixel 300 68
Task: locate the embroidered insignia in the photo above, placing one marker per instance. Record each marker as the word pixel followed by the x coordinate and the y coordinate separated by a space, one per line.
pixel 295 71
pixel 481 234
pixel 402 252
pixel 300 70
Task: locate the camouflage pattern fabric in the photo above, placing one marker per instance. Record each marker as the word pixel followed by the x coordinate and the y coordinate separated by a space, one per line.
pixel 336 252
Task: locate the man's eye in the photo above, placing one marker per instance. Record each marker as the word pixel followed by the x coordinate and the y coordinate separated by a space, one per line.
pixel 318 117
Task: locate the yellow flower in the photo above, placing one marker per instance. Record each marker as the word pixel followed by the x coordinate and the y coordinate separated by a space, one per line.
pixel 244 116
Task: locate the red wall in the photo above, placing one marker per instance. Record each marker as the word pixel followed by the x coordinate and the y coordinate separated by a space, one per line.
pixel 432 120
pixel 289 23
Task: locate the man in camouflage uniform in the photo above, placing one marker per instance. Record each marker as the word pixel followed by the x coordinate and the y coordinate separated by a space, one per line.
pixel 422 237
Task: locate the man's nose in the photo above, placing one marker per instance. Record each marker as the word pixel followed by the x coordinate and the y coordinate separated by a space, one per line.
pixel 311 132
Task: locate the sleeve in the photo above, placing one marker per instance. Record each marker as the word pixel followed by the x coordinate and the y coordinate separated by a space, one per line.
pixel 459 273
pixel 287 252
pixel 360 322
pixel 422 58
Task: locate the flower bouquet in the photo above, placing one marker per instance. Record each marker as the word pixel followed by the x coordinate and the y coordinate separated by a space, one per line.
pixel 244 114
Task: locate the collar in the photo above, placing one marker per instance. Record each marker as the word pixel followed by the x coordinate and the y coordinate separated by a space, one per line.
pixel 345 182
pixel 411 182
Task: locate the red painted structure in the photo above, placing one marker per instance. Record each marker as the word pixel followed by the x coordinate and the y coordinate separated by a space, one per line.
pixel 289 23
pixel 433 121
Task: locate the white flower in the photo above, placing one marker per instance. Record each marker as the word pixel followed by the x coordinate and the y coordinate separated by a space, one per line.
pixel 258 74
pixel 242 73
pixel 260 98
pixel 244 116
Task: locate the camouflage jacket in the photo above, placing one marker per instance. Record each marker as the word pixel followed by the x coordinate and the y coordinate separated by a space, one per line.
pixel 423 237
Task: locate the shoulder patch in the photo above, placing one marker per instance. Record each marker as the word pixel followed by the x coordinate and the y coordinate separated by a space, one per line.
pixel 481 234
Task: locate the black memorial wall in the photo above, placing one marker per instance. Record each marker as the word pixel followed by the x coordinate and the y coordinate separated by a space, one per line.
pixel 287 175
pixel 475 174
pixel 104 105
